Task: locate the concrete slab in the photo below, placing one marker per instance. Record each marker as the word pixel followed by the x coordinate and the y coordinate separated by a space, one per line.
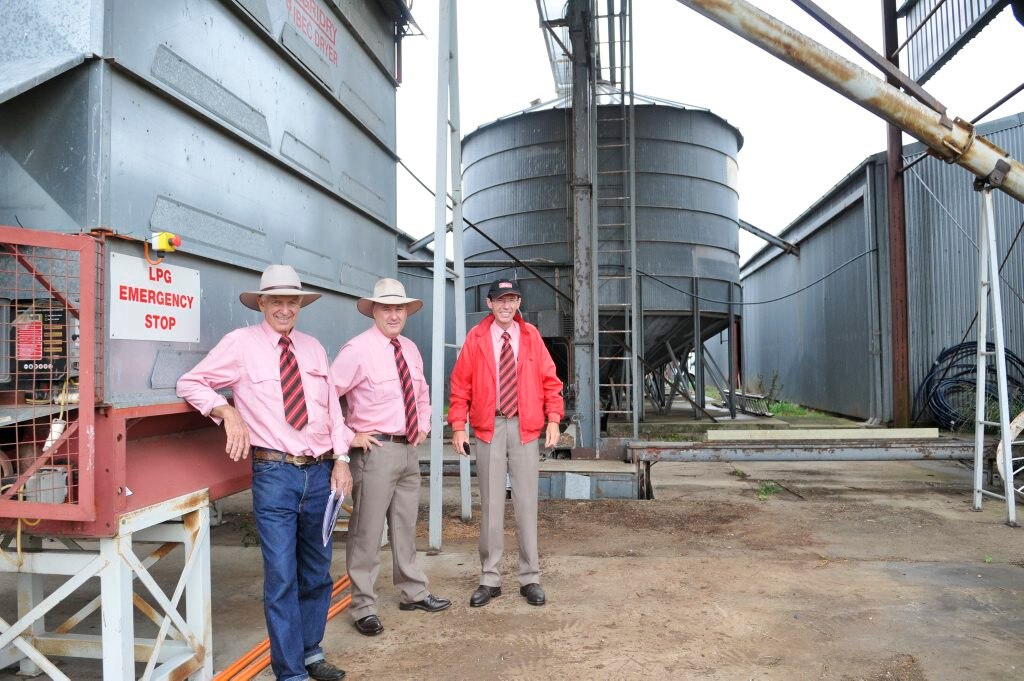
pixel 824 434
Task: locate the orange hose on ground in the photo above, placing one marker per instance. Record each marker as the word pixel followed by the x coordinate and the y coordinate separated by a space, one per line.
pixel 263 661
pixel 261 652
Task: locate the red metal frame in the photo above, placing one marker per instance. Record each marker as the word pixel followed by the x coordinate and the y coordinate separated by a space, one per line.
pixel 129 457
pixel 82 507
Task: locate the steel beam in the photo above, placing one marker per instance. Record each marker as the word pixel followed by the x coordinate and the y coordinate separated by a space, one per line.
pixel 954 141
pixel 877 450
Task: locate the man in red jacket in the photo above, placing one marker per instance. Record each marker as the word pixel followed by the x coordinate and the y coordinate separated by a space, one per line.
pixel 504 383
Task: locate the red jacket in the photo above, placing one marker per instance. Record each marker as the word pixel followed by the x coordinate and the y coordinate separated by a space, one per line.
pixel 474 383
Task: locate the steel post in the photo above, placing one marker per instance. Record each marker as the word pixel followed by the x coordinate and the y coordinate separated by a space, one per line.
pixel 440 273
pixel 458 262
pixel 953 140
pixel 896 201
pixel 698 350
pixel 585 348
pixel 981 372
pixel 1002 389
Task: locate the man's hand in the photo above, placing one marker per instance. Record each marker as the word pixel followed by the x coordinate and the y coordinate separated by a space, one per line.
pixel 237 432
pixel 341 478
pixel 551 436
pixel 365 441
pixel 420 437
pixel 460 441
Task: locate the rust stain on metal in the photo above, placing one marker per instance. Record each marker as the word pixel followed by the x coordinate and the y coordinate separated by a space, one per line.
pixel 146 609
pixel 185 670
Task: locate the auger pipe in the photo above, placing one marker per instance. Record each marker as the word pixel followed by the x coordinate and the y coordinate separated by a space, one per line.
pixel 954 141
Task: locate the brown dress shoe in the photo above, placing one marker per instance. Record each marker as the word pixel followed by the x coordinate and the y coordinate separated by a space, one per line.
pixel 483 595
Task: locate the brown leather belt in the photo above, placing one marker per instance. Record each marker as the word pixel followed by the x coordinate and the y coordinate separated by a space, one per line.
pixel 400 439
pixel 264 454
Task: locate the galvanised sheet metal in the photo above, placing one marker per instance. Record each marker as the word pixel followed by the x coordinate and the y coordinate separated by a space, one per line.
pixel 818 340
pixel 238 149
pixel 951 27
pixel 828 362
pixel 516 188
pixel 45 38
pixel 942 258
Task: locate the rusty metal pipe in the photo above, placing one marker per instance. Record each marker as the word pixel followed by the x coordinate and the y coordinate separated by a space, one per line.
pixel 953 141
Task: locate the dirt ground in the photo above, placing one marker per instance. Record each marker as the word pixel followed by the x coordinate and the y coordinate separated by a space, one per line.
pixel 874 571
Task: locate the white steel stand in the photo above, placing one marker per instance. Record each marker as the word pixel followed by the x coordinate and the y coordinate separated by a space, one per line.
pixel 182 647
pixel 988 293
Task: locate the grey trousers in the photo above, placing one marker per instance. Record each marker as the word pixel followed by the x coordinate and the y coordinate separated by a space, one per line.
pixel 504 453
pixel 386 482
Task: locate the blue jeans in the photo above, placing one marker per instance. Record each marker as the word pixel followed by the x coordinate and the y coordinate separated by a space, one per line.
pixel 288 502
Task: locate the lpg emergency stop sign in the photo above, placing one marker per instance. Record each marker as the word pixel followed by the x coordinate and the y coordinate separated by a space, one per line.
pixel 153 302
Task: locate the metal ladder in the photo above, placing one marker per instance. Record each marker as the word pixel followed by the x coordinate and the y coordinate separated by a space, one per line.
pixel 617 328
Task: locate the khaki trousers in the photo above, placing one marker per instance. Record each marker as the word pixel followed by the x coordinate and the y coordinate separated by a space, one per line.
pixel 522 462
pixel 386 482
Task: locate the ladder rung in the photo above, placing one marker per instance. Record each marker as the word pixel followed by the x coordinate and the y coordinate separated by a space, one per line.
pixel 613 331
pixel 987 353
pixel 989 423
pixel 612 198
pixel 608 411
pixel 614 276
pixel 617 359
pixel 611 146
pixel 616 385
pixel 611 224
pixel 612 172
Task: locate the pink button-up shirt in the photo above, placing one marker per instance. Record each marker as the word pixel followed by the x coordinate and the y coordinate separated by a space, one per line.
pixel 366 375
pixel 247 361
pixel 513 340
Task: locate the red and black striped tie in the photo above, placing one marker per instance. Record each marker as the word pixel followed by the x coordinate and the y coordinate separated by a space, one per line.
pixel 291 387
pixel 507 379
pixel 412 423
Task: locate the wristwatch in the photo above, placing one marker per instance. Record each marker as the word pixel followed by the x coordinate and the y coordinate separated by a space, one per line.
pixel 343 457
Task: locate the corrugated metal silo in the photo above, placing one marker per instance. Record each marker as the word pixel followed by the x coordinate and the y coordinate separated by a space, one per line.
pixel 516 188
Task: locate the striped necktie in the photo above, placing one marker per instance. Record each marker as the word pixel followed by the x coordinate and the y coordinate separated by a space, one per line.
pixel 508 405
pixel 291 386
pixel 412 423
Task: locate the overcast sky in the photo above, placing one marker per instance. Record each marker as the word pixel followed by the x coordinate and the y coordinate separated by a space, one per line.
pixel 800 138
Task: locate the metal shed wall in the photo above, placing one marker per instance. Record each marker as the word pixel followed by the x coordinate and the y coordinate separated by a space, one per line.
pixel 824 342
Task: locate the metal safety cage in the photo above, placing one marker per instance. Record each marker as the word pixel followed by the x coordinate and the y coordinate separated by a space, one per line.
pixel 48 350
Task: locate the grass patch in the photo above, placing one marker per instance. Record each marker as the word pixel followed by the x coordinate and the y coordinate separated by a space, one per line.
pixel 766 489
pixel 789 409
pixel 739 473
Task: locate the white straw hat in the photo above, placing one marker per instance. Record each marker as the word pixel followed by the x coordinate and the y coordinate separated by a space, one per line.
pixel 388 292
pixel 277 280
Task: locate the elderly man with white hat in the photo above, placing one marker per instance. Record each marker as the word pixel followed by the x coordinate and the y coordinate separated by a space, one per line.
pixel 286 416
pixel 380 375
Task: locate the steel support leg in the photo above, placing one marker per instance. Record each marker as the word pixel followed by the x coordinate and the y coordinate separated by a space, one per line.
pixel 118 624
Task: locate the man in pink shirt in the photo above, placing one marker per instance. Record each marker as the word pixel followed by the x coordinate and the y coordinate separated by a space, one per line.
pixel 380 375
pixel 286 415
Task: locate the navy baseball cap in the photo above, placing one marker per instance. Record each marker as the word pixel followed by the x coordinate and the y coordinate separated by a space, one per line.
pixel 504 287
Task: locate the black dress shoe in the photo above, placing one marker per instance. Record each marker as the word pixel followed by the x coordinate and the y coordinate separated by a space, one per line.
pixel 483 595
pixel 322 670
pixel 369 625
pixel 534 594
pixel 430 604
